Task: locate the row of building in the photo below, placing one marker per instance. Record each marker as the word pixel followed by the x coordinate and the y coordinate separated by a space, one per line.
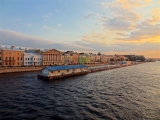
pixel 13 56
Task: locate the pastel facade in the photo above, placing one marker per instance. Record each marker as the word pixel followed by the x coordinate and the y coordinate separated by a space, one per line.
pixel 84 58
pixel 12 56
pixel 51 57
pixel 70 58
pixel 67 58
pixel 0 57
pixel 105 59
pixel 32 59
pixel 92 58
pixel 75 58
pixel 119 57
pixel 98 58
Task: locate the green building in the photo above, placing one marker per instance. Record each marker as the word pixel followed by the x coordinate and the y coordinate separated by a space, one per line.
pixel 84 58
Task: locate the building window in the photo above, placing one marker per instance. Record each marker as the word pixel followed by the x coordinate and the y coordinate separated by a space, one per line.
pixel 6 58
pixel 0 58
pixel 13 58
pixel 58 71
pixel 18 63
pixel 9 58
pixel 0 63
pixel 52 71
pixel 18 59
pixel 26 58
pixel 13 64
pixel 67 70
pixel 21 58
pixel 0 52
pixel 6 63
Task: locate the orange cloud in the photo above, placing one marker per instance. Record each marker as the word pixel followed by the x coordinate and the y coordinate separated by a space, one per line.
pixel 95 38
pixel 155 15
pixel 147 54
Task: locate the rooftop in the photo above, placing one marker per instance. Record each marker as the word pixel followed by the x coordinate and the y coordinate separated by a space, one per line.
pixel 65 67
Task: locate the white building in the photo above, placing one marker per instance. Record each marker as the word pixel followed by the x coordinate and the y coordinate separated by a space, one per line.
pixel 32 59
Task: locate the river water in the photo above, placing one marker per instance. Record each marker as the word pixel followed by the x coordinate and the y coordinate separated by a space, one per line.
pixel 129 93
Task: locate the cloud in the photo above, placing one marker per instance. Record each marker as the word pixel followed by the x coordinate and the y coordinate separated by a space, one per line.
pixel 123 17
pixel 126 23
pixel 118 24
pixel 95 38
pixel 46 16
pixel 126 48
pixel 18 39
pixel 59 25
pixel 45 27
pixel 122 34
pixel 126 4
pixel 155 16
pixel 91 14
pixel 49 13
pixel 143 31
pixel 29 25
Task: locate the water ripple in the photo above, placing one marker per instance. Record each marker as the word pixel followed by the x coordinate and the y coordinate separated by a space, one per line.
pixel 129 93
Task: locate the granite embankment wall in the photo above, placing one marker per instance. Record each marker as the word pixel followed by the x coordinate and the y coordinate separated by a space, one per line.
pixel 18 69
pixel 23 69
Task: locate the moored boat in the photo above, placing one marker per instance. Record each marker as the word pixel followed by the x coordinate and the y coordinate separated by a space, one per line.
pixel 57 72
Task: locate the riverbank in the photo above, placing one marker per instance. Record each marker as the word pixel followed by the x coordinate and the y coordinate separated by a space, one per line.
pixel 24 69
pixel 19 69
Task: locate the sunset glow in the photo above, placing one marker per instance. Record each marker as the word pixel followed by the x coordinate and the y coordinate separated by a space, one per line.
pixel 108 26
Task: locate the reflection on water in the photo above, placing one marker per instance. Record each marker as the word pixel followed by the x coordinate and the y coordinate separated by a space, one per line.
pixel 125 93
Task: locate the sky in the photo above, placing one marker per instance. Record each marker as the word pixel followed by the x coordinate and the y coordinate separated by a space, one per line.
pixel 106 26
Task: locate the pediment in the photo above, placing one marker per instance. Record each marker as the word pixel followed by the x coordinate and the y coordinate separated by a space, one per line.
pixel 52 51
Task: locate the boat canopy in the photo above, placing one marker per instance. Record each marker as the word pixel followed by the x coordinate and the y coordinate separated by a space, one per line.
pixel 65 67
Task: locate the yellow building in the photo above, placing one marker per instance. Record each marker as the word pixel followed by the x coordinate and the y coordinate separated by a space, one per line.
pixel 105 59
pixel 51 57
pixel 12 56
pixel 70 58
pixel 0 57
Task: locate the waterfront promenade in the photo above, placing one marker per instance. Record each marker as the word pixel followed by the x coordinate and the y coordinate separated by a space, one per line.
pixel 19 69
pixel 25 69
